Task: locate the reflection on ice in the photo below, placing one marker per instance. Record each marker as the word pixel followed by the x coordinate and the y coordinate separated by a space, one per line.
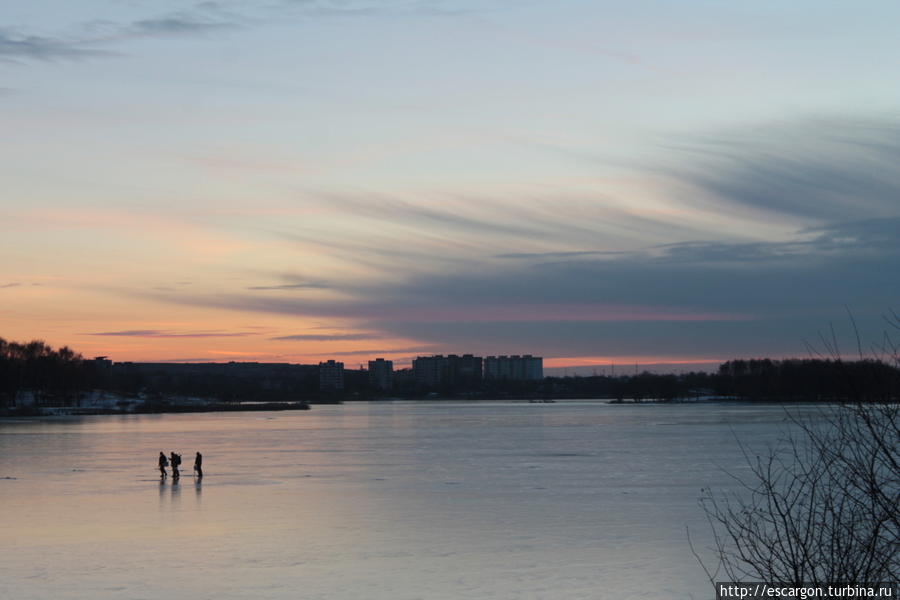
pixel 399 501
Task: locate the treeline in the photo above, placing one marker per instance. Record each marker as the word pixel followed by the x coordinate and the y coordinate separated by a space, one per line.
pixel 36 374
pixel 37 367
pixel 811 379
pixel 641 387
pixel 790 380
pixel 226 382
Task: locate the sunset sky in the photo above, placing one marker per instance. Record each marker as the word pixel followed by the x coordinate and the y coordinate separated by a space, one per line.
pixel 593 182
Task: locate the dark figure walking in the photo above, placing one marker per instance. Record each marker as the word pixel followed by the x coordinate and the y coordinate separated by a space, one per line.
pixel 163 463
pixel 175 459
pixel 198 465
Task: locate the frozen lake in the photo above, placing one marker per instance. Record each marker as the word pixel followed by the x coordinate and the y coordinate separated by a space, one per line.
pixel 392 501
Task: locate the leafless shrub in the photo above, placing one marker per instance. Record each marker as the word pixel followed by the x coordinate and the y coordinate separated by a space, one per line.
pixel 821 506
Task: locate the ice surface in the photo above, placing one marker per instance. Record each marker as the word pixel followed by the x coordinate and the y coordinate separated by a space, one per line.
pixel 396 501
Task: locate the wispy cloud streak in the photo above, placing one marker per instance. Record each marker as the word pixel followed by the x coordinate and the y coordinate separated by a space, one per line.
pixel 823 169
pixel 291 286
pixel 326 337
pixel 92 38
pixel 17 46
pixel 156 333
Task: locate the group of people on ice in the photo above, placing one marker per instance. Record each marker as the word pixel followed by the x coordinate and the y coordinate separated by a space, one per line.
pixel 175 460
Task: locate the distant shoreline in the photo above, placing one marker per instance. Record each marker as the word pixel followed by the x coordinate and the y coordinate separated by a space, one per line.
pixel 276 406
pixel 60 411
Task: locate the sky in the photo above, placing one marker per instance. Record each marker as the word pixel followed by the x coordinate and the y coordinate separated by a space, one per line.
pixel 672 183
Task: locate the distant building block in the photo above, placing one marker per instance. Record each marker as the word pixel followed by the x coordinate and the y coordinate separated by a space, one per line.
pixel 514 368
pixel 331 376
pixel 381 374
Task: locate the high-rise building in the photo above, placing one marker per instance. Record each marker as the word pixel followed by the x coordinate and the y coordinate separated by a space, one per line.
pixel 514 368
pixel 427 371
pixel 465 369
pixel 331 376
pixel 381 374
pixel 450 370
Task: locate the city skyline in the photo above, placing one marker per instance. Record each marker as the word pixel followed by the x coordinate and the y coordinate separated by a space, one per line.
pixel 596 182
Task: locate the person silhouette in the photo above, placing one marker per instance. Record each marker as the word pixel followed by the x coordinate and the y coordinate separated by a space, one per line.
pixel 175 459
pixel 198 465
pixel 163 463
